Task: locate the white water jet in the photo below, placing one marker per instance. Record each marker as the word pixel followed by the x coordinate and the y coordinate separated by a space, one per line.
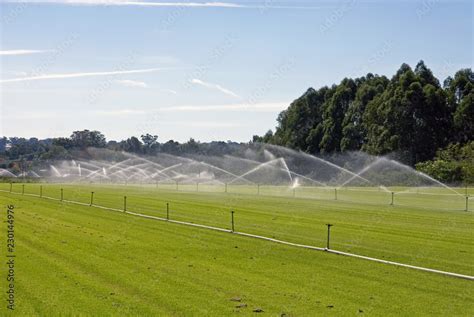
pixel 336 166
pixel 55 171
pixel 6 173
pixel 287 169
pixel 255 169
pixel 269 166
pixel 365 169
pixel 226 172
pixel 311 180
pixel 426 177
pixel 296 183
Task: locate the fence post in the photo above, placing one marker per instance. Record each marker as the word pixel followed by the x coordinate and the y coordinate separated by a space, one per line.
pixel 41 191
pixel 62 194
pixel 232 218
pixel 329 234
pixel 124 203
pixel 23 189
pixel 167 211
pixel 92 198
pixel 392 202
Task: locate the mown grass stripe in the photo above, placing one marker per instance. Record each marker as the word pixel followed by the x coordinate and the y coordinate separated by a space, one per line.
pixel 451 274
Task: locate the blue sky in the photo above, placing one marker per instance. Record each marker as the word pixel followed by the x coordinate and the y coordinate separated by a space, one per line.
pixel 209 70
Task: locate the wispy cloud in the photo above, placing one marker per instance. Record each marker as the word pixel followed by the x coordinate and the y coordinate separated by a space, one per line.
pixel 257 107
pixel 134 3
pixel 214 86
pixel 132 83
pixel 33 115
pixel 23 52
pixel 142 84
pixel 262 5
pixel 119 112
pixel 169 91
pixel 28 115
pixel 203 124
pixel 16 73
pixel 78 75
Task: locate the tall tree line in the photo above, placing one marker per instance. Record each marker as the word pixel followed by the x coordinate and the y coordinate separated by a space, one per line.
pixel 412 115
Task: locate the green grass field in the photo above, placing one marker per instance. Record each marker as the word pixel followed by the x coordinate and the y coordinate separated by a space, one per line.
pixel 84 260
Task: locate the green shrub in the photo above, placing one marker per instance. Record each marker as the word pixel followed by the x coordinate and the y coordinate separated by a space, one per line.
pixel 454 164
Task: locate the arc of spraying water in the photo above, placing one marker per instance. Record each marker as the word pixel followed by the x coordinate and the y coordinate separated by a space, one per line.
pixel 169 168
pixel 334 166
pixel 55 170
pixel 146 160
pixel 98 167
pixel 253 170
pixel 227 172
pixel 425 176
pixel 287 169
pixel 365 169
pixel 292 172
pixel 131 167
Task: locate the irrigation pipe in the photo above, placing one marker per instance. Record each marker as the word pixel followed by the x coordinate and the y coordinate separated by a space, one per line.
pixel 419 268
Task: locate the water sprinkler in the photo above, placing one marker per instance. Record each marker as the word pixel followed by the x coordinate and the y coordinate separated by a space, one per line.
pixel 92 198
pixel 124 203
pixel 167 211
pixel 329 235
pixel 41 191
pixel 62 194
pixel 232 218
pixel 392 202
pixel 23 189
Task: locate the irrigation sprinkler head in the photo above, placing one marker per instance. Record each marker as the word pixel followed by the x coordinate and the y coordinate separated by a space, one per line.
pixel 329 235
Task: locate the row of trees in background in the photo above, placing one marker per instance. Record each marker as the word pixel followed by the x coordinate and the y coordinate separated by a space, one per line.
pixel 411 115
pixel 14 151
